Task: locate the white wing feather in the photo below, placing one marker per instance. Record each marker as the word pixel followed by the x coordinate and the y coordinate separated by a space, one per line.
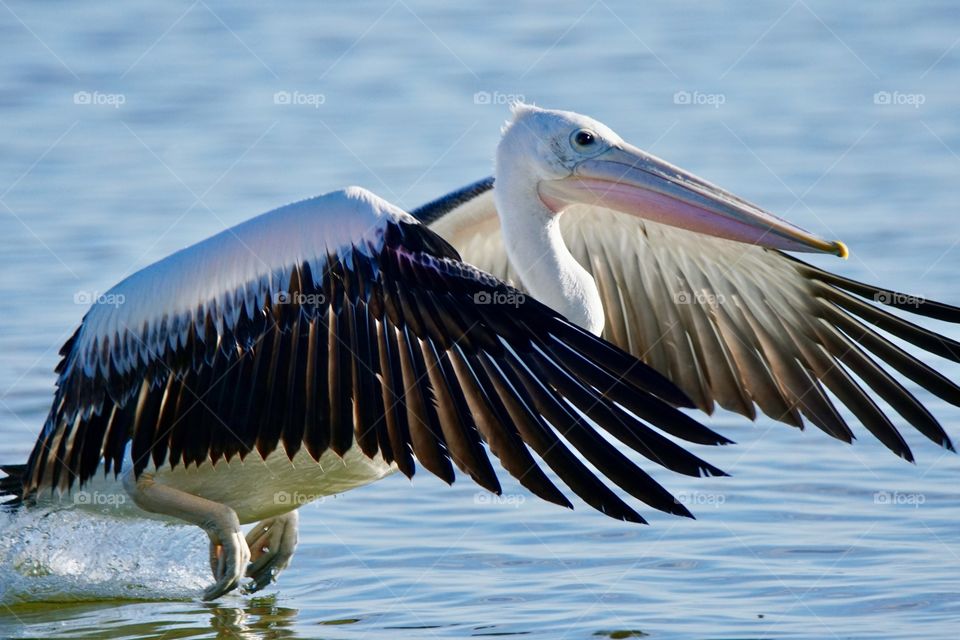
pixel 731 323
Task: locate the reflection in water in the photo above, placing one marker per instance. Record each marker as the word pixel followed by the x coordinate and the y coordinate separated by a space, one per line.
pixel 259 618
pixel 115 620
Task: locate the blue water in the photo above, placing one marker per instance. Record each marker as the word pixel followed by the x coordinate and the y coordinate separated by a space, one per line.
pixel 130 130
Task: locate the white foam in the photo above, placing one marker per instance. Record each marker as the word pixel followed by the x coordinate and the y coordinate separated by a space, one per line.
pixel 73 555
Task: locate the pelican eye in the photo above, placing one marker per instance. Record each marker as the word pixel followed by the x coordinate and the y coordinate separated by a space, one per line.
pixel 584 138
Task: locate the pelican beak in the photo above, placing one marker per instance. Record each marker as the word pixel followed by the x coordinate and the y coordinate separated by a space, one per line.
pixel 626 179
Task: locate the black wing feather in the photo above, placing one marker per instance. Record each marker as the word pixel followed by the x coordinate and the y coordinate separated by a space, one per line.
pixel 388 347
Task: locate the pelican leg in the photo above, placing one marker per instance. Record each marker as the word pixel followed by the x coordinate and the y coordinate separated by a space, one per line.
pixel 272 543
pixel 229 553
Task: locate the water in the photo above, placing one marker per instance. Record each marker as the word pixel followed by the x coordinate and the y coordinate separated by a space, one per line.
pixel 782 110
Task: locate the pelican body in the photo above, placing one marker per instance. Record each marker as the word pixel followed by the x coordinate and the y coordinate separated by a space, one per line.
pixel 328 343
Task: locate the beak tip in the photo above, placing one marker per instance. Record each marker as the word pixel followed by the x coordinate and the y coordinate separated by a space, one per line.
pixel 841 249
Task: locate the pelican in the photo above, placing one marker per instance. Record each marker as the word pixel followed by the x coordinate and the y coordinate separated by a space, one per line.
pixel 694 281
pixel 328 343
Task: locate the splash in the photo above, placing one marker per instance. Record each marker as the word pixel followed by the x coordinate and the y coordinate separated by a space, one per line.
pixel 73 555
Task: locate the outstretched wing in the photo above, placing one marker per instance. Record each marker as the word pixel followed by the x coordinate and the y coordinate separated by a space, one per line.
pixel 735 324
pixel 340 322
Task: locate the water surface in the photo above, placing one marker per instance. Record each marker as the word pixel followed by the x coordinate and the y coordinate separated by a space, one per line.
pixel 181 133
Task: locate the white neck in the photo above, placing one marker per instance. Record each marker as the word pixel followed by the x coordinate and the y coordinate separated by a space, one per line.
pixel 531 234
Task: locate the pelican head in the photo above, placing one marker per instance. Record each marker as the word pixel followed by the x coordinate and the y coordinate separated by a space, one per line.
pixel 574 159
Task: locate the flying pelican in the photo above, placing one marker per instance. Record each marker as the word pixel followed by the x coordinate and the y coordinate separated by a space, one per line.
pixel 693 280
pixel 328 343
pixel 317 348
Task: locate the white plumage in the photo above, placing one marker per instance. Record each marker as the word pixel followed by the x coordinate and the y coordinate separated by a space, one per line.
pixel 233 269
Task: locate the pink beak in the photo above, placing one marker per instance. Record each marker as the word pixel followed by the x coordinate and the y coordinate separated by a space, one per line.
pixel 626 179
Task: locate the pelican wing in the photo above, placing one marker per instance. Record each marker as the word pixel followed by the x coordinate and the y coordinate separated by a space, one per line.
pixel 734 324
pixel 339 322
